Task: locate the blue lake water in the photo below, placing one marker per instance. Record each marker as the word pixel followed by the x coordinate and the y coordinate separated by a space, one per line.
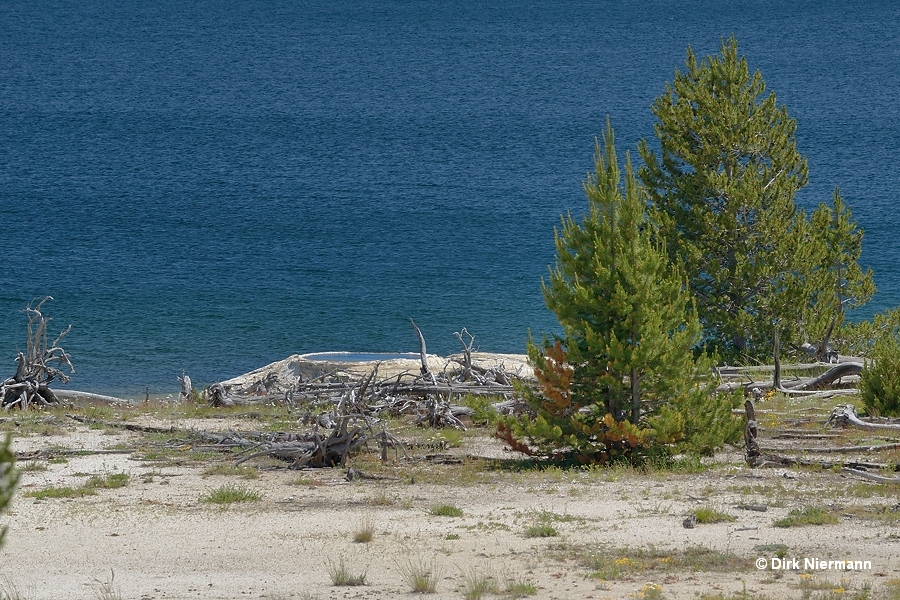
pixel 212 186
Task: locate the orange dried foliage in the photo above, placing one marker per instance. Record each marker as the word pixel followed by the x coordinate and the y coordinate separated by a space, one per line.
pixel 506 434
pixel 555 377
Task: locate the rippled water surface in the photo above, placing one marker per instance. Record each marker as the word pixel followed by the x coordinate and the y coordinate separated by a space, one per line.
pixel 212 186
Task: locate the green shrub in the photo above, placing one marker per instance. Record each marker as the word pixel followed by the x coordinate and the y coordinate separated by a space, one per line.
pixel 485 413
pixel 879 383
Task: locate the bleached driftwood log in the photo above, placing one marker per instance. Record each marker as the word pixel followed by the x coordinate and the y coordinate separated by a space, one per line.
pixel 827 378
pixel 38 366
pixel 423 352
pixel 846 415
pixel 767 377
pixel 76 397
pixel 871 476
pixel 186 388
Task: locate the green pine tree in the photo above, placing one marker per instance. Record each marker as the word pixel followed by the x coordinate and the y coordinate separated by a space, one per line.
pixel 722 193
pixel 840 283
pixel 620 379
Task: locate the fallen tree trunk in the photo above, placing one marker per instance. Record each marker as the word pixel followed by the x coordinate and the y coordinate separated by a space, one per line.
pixel 777 460
pixel 828 377
pixel 323 451
pixel 846 415
pixel 76 397
pixel 871 476
pixel 847 449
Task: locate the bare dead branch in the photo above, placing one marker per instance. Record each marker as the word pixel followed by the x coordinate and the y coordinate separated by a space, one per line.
pixel 30 385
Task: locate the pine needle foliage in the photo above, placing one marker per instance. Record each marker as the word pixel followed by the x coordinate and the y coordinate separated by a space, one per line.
pixel 844 283
pixel 879 382
pixel 858 339
pixel 722 193
pixel 9 476
pixel 623 379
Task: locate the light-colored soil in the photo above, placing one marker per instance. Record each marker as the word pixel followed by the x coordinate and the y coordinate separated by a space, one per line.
pixel 155 539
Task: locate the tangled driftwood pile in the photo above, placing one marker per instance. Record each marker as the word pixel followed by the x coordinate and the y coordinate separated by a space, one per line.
pixel 395 385
pixel 40 364
pixel 340 413
pixel 818 435
pixel 345 402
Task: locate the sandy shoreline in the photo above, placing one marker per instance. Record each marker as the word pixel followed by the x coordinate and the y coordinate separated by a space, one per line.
pixel 315 364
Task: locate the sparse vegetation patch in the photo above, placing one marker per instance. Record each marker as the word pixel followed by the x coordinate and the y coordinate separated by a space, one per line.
pixel 710 514
pixel 341 574
pixel 618 563
pixel 446 510
pixel 228 494
pixel 810 515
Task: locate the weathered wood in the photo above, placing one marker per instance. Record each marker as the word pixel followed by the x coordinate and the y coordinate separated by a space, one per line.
pixel 777 460
pixel 829 377
pixel 77 397
pixel 467 352
pixel 846 415
pixel 776 376
pixel 824 353
pixel 423 352
pixel 51 453
pixel 36 371
pixel 871 476
pixel 490 390
pixel 847 449
pixel 751 451
pixel 186 388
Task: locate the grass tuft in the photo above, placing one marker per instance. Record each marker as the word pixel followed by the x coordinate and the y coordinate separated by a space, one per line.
pixel 108 482
pixel 90 487
pixel 610 563
pixel 541 529
pixel 228 493
pixel 365 533
pixel 341 575
pixel 420 575
pixel 107 590
pixel 709 514
pixel 446 510
pixel 477 585
pixel 231 470
pixel 32 466
pixel 60 492
pixel 382 499
pixel 519 589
